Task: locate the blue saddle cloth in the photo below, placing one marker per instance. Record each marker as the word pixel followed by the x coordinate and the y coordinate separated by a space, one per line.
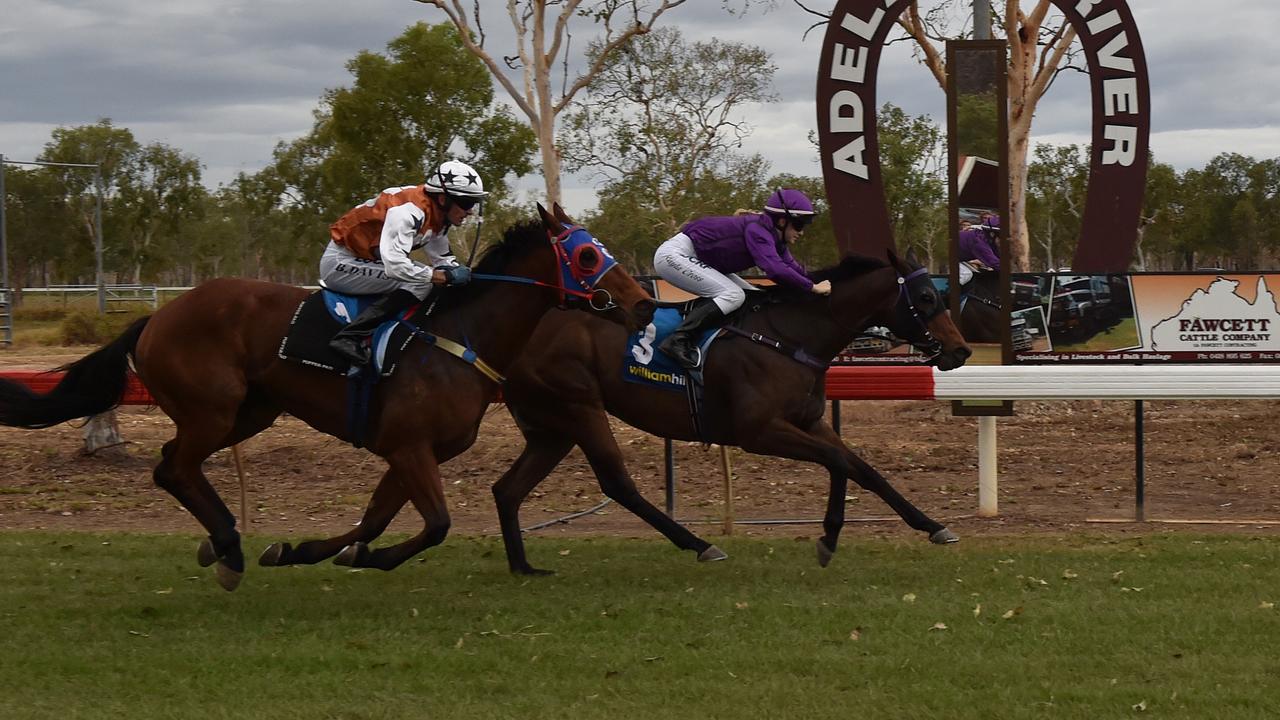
pixel 645 364
pixel 321 315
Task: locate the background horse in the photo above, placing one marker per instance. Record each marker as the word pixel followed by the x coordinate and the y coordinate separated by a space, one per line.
pixel 981 318
pixel 210 360
pixel 570 379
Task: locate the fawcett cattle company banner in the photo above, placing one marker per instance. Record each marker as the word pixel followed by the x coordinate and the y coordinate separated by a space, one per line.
pixel 1229 317
pixel 1062 319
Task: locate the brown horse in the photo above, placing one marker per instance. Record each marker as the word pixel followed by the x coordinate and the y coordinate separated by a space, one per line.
pixel 210 360
pixel 570 379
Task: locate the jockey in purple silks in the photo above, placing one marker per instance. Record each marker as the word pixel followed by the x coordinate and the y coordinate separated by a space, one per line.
pixel 704 257
pixel 979 242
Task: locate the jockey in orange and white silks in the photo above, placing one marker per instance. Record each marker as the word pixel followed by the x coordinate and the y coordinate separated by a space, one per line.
pixel 369 246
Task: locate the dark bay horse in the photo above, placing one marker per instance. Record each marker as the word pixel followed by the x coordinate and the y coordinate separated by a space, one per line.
pixel 756 397
pixel 209 358
pixel 569 380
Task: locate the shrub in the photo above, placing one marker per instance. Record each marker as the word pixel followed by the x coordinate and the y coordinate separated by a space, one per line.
pixel 90 328
pixel 38 314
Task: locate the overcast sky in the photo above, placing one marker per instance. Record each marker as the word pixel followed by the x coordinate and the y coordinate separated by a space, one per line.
pixel 225 80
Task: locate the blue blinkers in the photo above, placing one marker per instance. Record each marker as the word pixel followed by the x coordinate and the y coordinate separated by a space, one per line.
pixel 583 260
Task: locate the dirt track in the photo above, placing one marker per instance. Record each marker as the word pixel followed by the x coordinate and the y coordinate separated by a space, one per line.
pixel 1061 464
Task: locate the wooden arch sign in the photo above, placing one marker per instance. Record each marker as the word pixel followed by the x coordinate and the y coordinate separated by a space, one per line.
pixel 847 139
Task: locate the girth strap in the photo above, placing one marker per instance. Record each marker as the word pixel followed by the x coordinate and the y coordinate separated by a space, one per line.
pixel 458 350
pixel 795 353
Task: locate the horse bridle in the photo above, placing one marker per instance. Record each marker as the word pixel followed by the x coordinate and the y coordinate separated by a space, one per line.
pixel 564 262
pixel 927 343
pixel 577 269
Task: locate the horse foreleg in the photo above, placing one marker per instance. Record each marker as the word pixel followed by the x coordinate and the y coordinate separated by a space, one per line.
pixel 869 479
pixel 542 453
pixel 821 445
pixel 595 437
pixel 388 498
pixel 415 470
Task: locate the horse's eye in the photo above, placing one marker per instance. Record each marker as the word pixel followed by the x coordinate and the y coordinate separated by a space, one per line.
pixel 926 298
pixel 586 258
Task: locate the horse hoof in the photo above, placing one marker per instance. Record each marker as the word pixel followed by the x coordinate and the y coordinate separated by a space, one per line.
pixel 712 554
pixel 351 554
pixel 531 571
pixel 205 554
pixel 274 555
pixel 229 579
pixel 944 537
pixel 824 553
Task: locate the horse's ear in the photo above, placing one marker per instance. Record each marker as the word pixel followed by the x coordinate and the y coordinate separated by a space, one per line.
pixel 547 221
pixel 561 215
pixel 893 258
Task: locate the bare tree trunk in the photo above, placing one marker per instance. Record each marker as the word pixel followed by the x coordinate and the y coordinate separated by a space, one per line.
pixel 1019 238
pixel 1031 70
pixel 538 57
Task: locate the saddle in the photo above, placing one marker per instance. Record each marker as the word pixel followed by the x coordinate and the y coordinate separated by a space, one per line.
pixel 644 364
pixel 321 315
pixel 316 320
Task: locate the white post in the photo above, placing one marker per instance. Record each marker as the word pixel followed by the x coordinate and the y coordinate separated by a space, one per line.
pixel 987 503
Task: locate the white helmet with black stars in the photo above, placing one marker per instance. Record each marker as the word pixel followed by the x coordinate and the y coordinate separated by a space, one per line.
pixel 457 179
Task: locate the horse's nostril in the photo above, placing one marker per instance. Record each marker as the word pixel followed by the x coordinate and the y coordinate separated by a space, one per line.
pixel 644 310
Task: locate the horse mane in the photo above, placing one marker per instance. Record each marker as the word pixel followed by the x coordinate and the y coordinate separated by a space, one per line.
pixel 851 266
pixel 517 241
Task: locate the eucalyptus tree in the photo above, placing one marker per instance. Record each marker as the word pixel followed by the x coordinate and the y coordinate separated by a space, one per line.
pixel 1056 181
pixel 426 100
pixel 544 35
pixel 158 198
pixel 912 164
pixel 114 151
pixel 665 115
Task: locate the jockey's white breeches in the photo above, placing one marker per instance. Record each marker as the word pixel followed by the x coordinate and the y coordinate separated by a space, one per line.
pixel 676 262
pixel 343 272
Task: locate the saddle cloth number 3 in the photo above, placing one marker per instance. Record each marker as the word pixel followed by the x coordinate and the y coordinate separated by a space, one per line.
pixel 643 351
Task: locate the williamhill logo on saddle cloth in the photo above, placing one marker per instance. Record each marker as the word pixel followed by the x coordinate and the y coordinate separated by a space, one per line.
pixel 646 365
pixel 321 315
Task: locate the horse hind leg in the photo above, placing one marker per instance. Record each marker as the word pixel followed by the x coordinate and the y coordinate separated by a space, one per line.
pixel 179 473
pixel 418 475
pixel 388 498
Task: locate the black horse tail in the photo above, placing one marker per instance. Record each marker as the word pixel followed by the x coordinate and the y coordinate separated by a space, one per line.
pixel 93 384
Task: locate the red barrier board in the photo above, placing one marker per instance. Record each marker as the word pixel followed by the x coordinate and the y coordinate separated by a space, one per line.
pixel 44 381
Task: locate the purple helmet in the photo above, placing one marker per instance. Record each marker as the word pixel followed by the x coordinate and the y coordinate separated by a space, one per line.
pixel 788 202
pixel 991 223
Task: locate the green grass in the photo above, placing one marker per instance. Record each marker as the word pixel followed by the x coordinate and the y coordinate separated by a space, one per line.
pixel 1124 334
pixel 95 626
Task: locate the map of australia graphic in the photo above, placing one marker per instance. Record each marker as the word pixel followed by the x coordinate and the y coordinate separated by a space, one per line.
pixel 1218 319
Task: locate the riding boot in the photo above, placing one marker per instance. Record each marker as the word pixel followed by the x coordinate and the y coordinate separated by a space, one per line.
pixel 352 342
pixel 681 344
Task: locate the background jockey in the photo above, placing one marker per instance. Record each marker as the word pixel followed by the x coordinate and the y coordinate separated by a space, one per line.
pixel 981 243
pixel 369 248
pixel 705 255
